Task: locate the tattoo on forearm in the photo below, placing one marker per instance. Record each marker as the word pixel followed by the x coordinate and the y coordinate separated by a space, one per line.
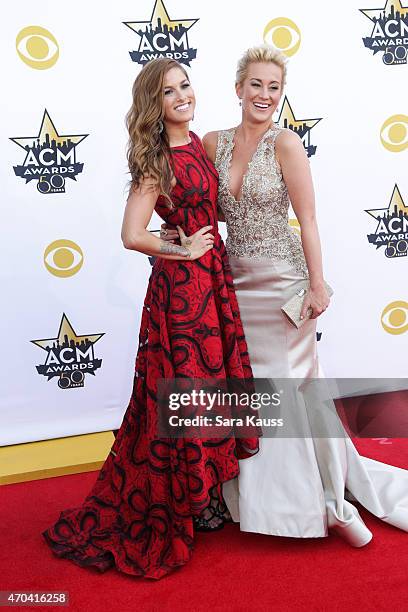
pixel 167 248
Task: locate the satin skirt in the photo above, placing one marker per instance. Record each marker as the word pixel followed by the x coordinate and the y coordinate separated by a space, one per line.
pixel 301 487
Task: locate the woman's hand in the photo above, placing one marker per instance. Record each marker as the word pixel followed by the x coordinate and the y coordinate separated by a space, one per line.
pixel 198 243
pixel 317 300
pixel 169 234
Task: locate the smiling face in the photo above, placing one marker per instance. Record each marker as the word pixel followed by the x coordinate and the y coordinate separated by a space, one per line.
pixel 260 91
pixel 179 99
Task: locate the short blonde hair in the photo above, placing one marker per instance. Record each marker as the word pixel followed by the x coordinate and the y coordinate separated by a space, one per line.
pixel 261 53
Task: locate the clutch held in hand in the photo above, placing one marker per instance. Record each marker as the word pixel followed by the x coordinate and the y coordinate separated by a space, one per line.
pixel 293 307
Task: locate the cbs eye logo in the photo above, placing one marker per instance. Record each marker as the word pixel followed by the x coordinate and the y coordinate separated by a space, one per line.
pixel 394 133
pixel 63 258
pixel 37 47
pixel 284 34
pixel 294 224
pixel 394 318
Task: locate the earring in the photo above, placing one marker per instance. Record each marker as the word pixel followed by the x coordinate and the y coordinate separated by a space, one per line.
pixel 240 102
pixel 161 126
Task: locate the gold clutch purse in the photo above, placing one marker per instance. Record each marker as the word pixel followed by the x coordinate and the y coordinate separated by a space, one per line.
pixel 293 306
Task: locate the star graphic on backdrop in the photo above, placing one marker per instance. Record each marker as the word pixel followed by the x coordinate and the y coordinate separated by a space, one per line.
pixel 66 329
pixel 47 127
pixel 396 200
pixel 160 12
pixel 287 113
pixel 376 13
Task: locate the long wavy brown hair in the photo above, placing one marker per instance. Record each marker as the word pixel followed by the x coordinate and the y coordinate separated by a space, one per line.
pixel 148 150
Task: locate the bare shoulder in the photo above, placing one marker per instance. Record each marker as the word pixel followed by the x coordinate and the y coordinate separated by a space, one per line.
pixel 289 147
pixel 210 144
pixel 211 137
pixel 287 140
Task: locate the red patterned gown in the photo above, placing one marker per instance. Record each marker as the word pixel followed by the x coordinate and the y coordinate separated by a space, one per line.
pixel 138 515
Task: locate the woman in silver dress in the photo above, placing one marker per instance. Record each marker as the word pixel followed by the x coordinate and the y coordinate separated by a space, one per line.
pixel 294 487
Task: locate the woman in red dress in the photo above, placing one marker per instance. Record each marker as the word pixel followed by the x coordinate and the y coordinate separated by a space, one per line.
pixel 139 514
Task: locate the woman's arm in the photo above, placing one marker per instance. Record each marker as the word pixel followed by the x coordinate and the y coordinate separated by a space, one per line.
pixel 295 166
pixel 210 145
pixel 138 212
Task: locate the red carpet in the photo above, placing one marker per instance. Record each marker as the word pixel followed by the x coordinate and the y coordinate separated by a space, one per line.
pixel 229 570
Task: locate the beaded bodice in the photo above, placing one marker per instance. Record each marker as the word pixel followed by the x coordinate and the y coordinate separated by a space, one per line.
pixel 257 223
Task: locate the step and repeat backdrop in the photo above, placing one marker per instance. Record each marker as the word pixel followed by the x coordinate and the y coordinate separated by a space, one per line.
pixel 72 295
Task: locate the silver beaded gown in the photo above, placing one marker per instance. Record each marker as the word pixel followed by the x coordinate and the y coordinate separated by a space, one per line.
pixel 298 487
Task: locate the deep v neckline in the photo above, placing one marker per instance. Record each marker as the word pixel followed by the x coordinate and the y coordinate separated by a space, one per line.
pixel 248 168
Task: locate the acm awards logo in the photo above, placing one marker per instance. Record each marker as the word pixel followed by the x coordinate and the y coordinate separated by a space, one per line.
pixel 37 47
pixel 302 127
pixel 162 37
pixel 50 157
pixel 69 356
pixel 389 33
pixel 392 227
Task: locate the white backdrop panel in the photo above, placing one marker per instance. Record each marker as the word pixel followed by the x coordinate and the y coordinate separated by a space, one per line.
pixel 88 91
